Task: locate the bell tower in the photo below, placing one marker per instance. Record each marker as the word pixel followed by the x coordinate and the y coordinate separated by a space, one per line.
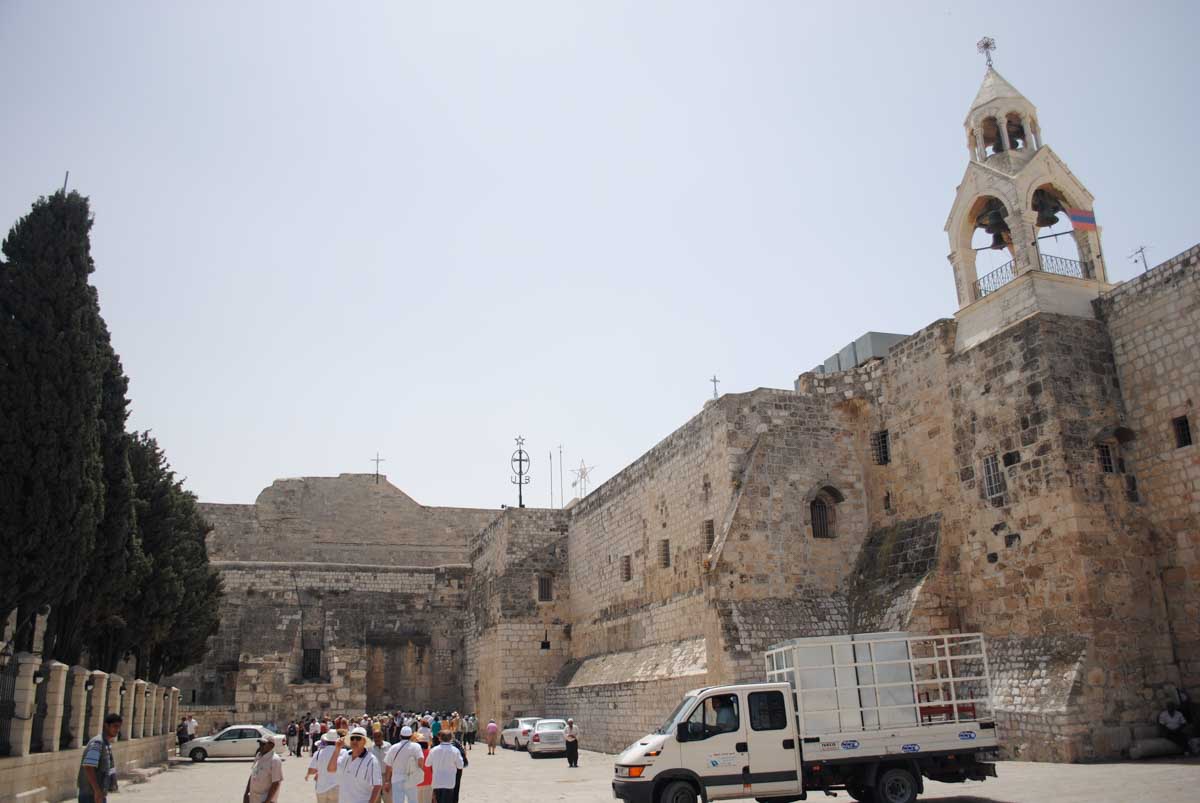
pixel 1015 191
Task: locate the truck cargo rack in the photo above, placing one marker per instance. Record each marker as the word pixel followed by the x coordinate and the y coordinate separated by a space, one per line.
pixel 877 681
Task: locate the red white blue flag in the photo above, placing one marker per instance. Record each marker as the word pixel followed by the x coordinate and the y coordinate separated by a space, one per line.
pixel 1082 219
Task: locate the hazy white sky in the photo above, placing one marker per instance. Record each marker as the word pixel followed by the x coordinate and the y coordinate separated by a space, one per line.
pixel 326 229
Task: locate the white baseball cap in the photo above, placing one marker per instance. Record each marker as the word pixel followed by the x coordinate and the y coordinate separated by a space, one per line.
pixel 405 732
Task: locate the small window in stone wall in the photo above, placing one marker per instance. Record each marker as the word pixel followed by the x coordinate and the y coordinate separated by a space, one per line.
pixel 1131 489
pixel 545 588
pixel 626 568
pixel 1183 431
pixel 1105 456
pixel 311 664
pixel 664 553
pixel 993 480
pixel 881 447
pixel 822 518
pixel 710 535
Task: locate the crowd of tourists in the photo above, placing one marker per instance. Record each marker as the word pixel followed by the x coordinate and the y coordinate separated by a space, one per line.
pixel 406 757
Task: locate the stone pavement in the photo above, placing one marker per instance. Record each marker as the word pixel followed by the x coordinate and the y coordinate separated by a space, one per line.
pixel 510 776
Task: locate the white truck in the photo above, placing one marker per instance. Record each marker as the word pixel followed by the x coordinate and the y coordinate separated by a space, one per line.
pixel 872 714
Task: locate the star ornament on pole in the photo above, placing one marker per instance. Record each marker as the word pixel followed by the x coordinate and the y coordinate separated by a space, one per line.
pixel 520 465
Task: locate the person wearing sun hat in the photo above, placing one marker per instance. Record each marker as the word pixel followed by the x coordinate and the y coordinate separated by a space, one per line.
pixel 266 774
pixel 359 776
pixel 327 782
pixel 403 768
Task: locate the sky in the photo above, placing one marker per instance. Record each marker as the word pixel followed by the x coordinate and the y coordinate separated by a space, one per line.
pixel 329 230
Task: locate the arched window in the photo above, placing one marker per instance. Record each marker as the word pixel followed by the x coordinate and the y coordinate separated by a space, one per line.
pixel 822 512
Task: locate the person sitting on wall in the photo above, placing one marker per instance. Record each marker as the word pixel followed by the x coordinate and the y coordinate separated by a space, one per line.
pixel 1173 725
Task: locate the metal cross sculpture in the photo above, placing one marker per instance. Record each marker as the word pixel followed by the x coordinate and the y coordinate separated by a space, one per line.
pixel 377 460
pixel 520 464
pixel 985 46
pixel 715 382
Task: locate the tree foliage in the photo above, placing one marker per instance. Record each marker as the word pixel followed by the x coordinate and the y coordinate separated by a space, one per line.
pixel 174 610
pixel 92 519
pixel 51 371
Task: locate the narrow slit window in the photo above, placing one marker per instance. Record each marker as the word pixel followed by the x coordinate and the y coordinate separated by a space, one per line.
pixel 1105 456
pixel 820 519
pixel 1183 431
pixel 710 535
pixel 664 553
pixel 545 588
pixel 311 664
pixel 993 481
pixel 626 569
pixel 881 447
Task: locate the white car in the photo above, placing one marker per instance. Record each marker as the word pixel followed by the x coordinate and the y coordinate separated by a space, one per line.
pixel 515 735
pixel 548 738
pixel 236 741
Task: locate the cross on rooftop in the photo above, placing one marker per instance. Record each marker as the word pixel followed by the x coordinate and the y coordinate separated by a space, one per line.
pixel 377 460
pixel 985 46
pixel 715 382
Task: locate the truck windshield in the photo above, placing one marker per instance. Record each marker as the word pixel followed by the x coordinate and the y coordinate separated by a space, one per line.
pixel 669 725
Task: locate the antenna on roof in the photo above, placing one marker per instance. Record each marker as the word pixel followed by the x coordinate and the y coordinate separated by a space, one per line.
pixel 1140 251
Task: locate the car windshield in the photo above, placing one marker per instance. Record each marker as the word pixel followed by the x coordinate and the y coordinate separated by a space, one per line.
pixel 669 725
pixel 551 725
pixel 528 723
pixel 268 729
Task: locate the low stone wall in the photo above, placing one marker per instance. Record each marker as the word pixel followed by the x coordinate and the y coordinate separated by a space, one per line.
pixel 51 777
pixel 613 716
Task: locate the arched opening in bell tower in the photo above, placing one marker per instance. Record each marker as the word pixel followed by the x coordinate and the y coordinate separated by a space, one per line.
pixel 991 245
pixel 1060 245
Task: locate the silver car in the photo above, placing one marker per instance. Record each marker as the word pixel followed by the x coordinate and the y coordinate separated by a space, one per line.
pixel 548 738
pixel 236 741
pixel 516 733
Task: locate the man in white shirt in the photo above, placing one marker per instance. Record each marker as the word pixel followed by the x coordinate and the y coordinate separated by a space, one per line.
pixel 446 761
pixel 1174 725
pixel 379 746
pixel 403 768
pixel 359 777
pixel 192 724
pixel 571 735
pixel 266 774
pixel 327 782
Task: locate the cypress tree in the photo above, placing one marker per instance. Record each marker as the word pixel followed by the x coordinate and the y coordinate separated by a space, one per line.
pixel 51 370
pixel 174 609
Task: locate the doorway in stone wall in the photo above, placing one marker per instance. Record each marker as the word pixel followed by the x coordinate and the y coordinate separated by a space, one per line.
pixel 398 671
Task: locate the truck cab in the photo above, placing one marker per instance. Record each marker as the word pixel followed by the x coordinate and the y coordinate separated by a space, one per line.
pixel 720 743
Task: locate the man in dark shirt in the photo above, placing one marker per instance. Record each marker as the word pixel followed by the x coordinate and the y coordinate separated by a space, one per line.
pixel 97 770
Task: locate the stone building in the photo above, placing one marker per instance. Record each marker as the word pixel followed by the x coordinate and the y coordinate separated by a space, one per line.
pixel 1025 469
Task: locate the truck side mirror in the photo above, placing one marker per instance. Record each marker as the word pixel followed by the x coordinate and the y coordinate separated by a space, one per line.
pixel 681 732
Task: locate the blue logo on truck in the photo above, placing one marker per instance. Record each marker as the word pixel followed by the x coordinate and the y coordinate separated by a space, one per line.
pixel 967 736
pixel 911 748
pixel 850 744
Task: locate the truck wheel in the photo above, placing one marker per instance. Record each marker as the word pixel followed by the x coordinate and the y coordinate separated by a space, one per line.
pixel 678 792
pixel 896 786
pixel 198 754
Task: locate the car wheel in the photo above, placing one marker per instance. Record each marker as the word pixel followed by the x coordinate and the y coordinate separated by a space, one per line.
pixel 859 793
pixel 896 786
pixel 199 754
pixel 678 792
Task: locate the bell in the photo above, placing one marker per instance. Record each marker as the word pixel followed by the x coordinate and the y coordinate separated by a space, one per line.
pixel 1046 205
pixel 998 243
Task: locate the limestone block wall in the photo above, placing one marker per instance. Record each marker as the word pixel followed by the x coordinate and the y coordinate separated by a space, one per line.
pixel 620 587
pixel 350 518
pixel 507 669
pixel 618 698
pixel 1154 323
pixel 388 635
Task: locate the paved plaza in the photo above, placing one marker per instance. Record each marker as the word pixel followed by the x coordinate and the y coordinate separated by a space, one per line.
pixel 508 777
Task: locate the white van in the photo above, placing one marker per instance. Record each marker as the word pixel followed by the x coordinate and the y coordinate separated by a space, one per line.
pixel 870 714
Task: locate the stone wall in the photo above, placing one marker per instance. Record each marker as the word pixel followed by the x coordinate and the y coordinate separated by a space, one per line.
pixel 1154 322
pixel 51 777
pixel 515 642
